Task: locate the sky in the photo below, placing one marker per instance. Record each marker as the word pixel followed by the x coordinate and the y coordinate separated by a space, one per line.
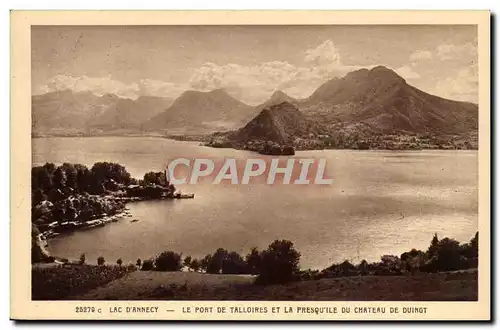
pixel 250 62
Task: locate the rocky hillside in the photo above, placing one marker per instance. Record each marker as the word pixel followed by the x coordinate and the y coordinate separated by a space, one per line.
pixel 273 131
pixel 280 123
pixel 382 101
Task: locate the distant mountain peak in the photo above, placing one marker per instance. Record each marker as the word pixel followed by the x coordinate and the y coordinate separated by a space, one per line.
pixel 278 95
pixel 377 72
pixel 385 72
pixel 381 68
pixel 214 93
pixel 110 96
pixel 219 92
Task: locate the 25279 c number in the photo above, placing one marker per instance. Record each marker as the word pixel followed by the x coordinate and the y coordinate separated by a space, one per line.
pixel 85 309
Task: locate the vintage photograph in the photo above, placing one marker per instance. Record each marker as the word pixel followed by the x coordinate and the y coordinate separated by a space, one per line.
pixel 250 166
pixel 141 142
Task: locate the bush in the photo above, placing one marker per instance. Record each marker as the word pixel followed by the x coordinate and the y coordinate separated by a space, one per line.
pixel 131 267
pixel 391 265
pixel 138 263
pixel 310 274
pixel 413 260
pixel 168 261
pixel 279 263
pixel 100 261
pixel 66 282
pixel 119 262
pixel 343 269
pixel 147 265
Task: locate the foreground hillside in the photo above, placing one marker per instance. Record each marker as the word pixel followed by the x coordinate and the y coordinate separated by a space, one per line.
pixel 193 286
pixel 151 285
pixel 446 271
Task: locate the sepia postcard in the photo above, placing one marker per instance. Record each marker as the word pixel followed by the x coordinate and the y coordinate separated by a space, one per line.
pixel 250 165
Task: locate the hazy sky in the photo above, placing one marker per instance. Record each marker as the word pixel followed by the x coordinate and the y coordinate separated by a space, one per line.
pixel 251 62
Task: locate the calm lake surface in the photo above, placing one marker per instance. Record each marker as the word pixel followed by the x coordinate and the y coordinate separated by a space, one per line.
pixel 381 202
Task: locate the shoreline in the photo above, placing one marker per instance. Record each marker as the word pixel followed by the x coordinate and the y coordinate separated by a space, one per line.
pixel 56 228
pixel 181 138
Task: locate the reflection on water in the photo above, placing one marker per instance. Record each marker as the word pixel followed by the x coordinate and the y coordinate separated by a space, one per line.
pixel 381 202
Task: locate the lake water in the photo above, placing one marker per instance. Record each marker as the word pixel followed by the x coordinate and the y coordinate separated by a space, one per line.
pixel 381 202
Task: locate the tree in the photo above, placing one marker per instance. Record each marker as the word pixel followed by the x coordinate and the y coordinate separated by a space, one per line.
pixel 82 258
pixel 71 175
pixel 38 252
pixel 41 177
pixel 100 261
pixel 253 261
pixel 60 178
pixel 147 265
pixel 279 263
pixel 138 263
pixel 474 243
pixel 168 261
pixel 234 264
pixel 205 262
pixel 448 254
pixel 104 171
pixel 83 178
pixel 156 178
pixel 70 214
pixel 215 263
pixel 346 268
pixel 119 262
pixel 37 196
pixel 195 265
pixel 414 259
pixel 187 262
pixel 363 267
pixel 470 252
pixel 50 167
pixel 432 250
pixel 445 256
pixel 58 213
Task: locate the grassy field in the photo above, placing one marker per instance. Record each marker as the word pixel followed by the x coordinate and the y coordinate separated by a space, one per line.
pixel 57 282
pixel 140 285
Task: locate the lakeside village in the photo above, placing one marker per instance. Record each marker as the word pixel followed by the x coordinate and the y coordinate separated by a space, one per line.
pixel 72 197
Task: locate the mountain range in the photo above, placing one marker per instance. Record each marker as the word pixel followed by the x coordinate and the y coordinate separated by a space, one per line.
pixel 364 104
pixel 68 112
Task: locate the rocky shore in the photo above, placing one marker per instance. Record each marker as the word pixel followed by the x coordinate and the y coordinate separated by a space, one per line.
pixel 114 206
